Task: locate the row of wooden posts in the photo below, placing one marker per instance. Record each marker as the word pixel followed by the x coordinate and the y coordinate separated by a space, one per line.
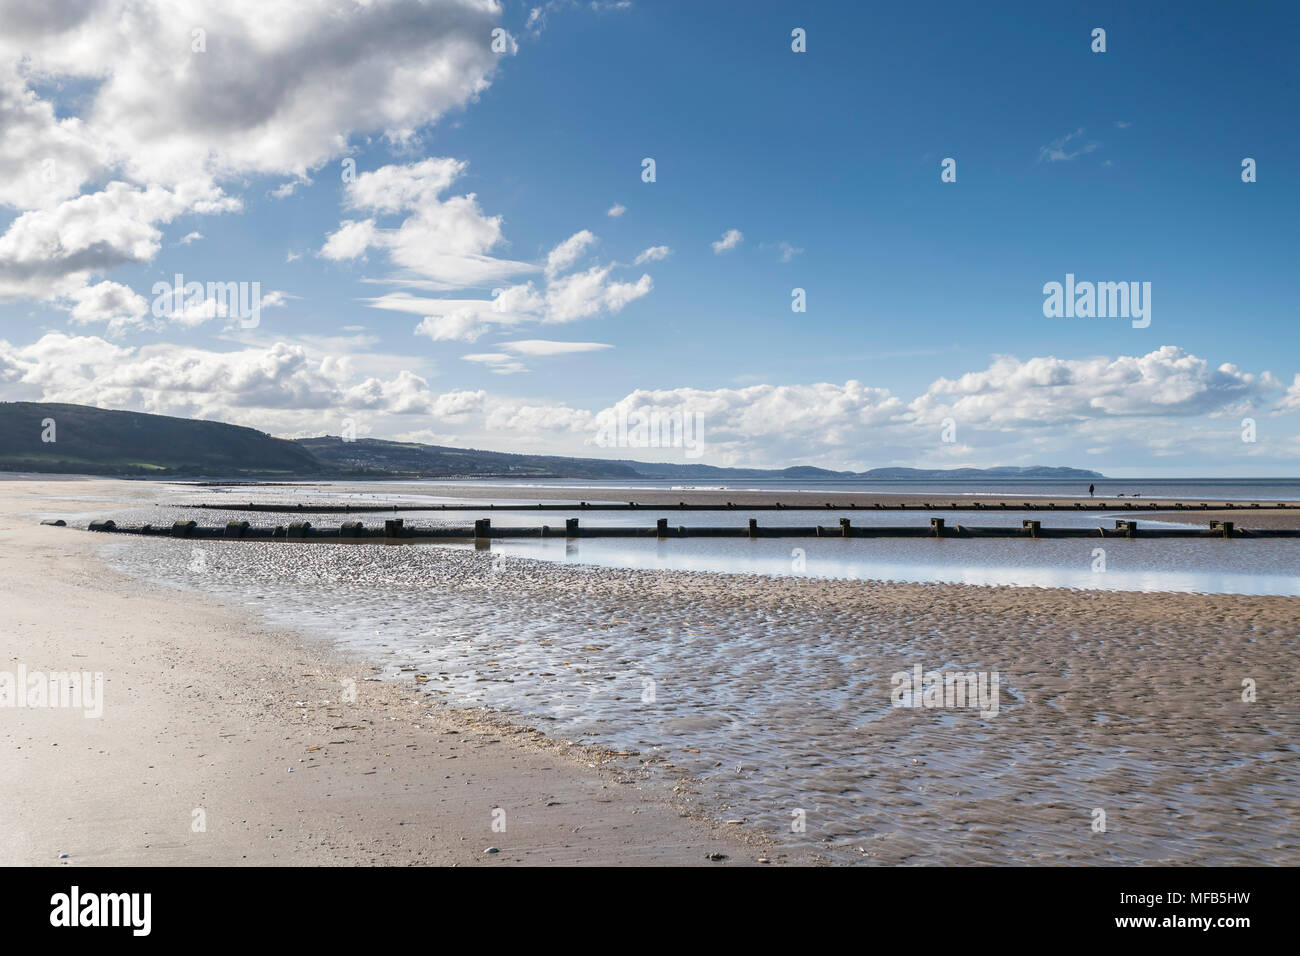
pixel 395 529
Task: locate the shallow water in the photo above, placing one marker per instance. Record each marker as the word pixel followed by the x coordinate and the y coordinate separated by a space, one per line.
pixel 1207 565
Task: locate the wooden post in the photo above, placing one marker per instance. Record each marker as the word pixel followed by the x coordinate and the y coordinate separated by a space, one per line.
pixel 299 529
pixel 108 525
pixel 1031 526
pixel 844 527
pixel 350 529
pixel 753 527
pixel 571 527
pixel 1130 528
pixel 235 529
pixel 936 525
pixel 661 528
pixel 482 528
pixel 183 529
pixel 392 527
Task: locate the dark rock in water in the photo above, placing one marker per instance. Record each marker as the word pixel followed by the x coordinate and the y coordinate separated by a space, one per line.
pixel 56 523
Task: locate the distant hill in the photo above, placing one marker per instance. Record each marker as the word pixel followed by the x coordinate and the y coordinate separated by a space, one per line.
pixel 96 441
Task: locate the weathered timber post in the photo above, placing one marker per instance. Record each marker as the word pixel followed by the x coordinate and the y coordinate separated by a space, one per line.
pixel 105 526
pixel 571 527
pixel 1032 527
pixel 393 527
pixel 350 529
pixel 661 528
pixel 235 529
pixel 845 528
pixel 936 525
pixel 182 529
pixel 482 528
pixel 753 527
pixel 299 529
pixel 1130 528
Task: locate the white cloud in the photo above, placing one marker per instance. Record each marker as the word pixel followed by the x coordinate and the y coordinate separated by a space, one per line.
pixel 653 254
pixel 189 238
pixel 445 242
pixel 350 240
pixel 1165 405
pixel 49 252
pixel 616 210
pixel 584 294
pixel 550 347
pixel 169 116
pixel 730 239
pixel 1050 391
pixel 498 362
pixel 279 89
pixel 120 307
pixel 563 256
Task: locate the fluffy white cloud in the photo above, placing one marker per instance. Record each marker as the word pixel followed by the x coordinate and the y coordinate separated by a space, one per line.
pixel 1165 406
pixel 261 88
pixel 120 307
pixel 50 252
pixel 568 252
pixel 616 210
pixel 446 243
pixel 1050 391
pixel 584 294
pixel 185 97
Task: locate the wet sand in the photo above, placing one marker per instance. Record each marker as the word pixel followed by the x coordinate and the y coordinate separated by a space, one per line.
pixel 1128 703
pixel 207 710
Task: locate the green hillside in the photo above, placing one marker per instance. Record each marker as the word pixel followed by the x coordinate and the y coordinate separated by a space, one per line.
pixel 96 441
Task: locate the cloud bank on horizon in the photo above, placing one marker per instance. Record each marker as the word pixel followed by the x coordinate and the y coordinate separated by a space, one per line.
pixel 459 232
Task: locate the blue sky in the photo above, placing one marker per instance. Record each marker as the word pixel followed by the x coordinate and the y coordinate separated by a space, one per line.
pixel 924 298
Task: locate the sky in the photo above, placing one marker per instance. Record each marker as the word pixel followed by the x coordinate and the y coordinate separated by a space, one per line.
pixel 434 221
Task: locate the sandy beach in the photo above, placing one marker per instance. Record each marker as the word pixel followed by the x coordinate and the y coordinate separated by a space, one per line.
pixel 206 711
pixel 1128 703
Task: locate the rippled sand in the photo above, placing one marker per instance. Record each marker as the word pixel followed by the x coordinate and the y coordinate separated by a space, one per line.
pixel 772 695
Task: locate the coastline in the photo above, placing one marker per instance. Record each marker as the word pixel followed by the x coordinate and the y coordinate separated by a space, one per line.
pixel 205 711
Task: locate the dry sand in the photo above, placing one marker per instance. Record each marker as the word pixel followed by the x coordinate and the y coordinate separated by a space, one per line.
pixel 205 711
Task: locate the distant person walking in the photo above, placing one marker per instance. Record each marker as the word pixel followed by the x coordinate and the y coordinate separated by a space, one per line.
pixel 1091 489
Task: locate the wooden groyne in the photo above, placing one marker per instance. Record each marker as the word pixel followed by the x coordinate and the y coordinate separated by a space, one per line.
pixel 395 529
pixel 277 508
